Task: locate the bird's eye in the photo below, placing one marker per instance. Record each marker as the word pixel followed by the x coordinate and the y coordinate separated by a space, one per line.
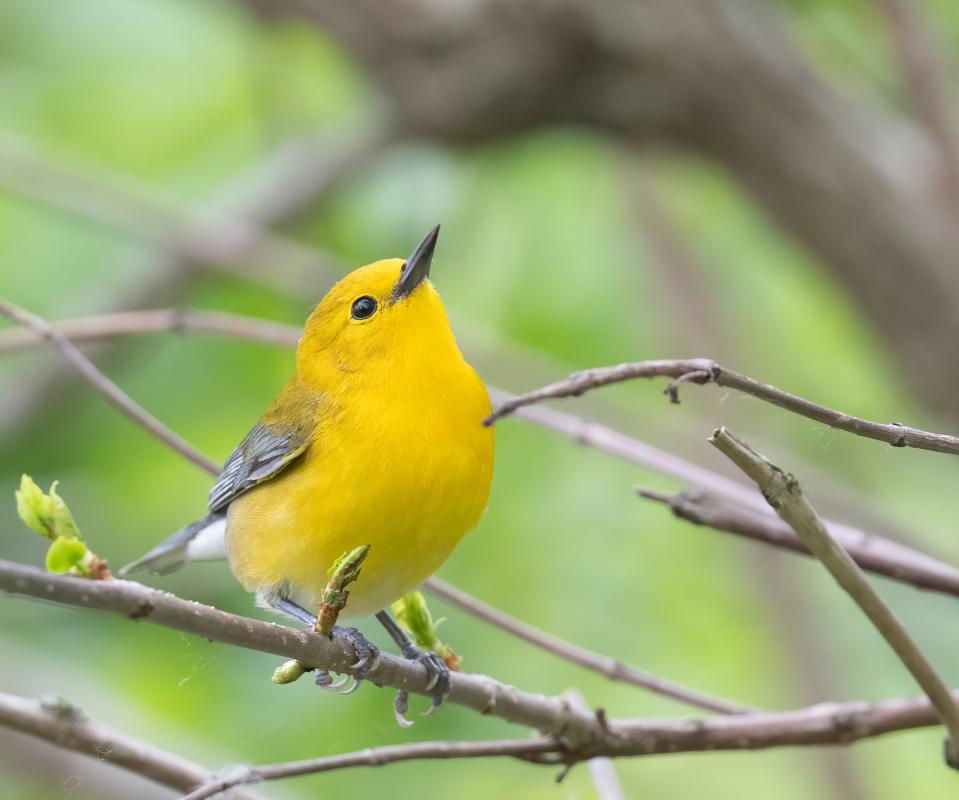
pixel 363 307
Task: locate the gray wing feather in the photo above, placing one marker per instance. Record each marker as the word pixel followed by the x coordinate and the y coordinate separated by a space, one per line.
pixel 262 454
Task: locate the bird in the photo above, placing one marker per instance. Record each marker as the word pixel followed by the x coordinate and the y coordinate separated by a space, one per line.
pixel 378 440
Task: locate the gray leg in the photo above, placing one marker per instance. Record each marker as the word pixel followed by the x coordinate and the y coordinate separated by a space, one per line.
pixel 367 654
pixel 294 610
pixel 439 673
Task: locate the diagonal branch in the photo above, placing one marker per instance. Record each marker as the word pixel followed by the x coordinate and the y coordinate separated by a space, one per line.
pixel 872 553
pixel 604 665
pixel 704 370
pixel 583 735
pixel 120 399
pixel 783 493
pixel 58 722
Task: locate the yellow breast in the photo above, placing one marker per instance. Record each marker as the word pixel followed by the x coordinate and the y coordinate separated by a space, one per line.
pixel 399 461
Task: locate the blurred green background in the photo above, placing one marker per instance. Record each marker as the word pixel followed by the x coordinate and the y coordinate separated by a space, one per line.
pixel 548 262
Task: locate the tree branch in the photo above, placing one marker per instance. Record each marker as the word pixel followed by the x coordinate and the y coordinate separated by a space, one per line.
pixel 872 553
pixel 62 724
pixel 138 602
pixel 601 770
pixel 526 749
pixel 583 735
pixel 172 320
pixel 120 399
pixel 704 370
pixel 783 493
pixel 604 665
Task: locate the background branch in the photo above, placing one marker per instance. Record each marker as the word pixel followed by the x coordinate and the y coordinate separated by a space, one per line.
pixel 784 494
pixel 872 553
pixel 704 370
pixel 64 725
pixel 120 399
pixel 525 749
pixel 604 665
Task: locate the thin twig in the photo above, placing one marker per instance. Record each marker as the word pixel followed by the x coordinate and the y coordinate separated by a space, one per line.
pixel 601 770
pixel 60 723
pixel 872 553
pixel 378 757
pixel 120 399
pixel 785 495
pixel 704 370
pixel 584 735
pixel 123 323
pixel 604 665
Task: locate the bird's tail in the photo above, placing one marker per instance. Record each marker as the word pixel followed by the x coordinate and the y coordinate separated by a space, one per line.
pixel 204 540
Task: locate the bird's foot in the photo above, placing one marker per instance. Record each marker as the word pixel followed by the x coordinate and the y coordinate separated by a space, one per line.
pixel 438 686
pixel 367 658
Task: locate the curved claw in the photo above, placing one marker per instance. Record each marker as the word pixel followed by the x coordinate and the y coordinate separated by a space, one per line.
pixel 327 684
pixel 362 664
pixel 354 687
pixel 439 684
pixel 400 707
pixel 367 654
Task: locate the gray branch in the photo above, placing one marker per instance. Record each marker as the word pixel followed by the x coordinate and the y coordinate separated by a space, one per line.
pixel 527 749
pixel 784 494
pixel 704 370
pixel 872 553
pixel 58 722
pixel 604 665
pixel 582 735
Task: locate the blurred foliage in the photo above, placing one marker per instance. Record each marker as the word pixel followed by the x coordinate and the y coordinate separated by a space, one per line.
pixel 545 268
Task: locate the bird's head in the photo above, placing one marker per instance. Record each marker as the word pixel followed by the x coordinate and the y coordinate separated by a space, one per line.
pixel 381 315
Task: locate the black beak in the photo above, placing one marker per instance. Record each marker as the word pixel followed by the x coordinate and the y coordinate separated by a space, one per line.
pixel 417 266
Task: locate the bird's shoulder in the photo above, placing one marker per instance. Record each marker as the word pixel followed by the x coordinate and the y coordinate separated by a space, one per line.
pixel 282 434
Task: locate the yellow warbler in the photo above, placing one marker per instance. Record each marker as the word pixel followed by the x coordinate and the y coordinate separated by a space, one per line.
pixel 377 440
